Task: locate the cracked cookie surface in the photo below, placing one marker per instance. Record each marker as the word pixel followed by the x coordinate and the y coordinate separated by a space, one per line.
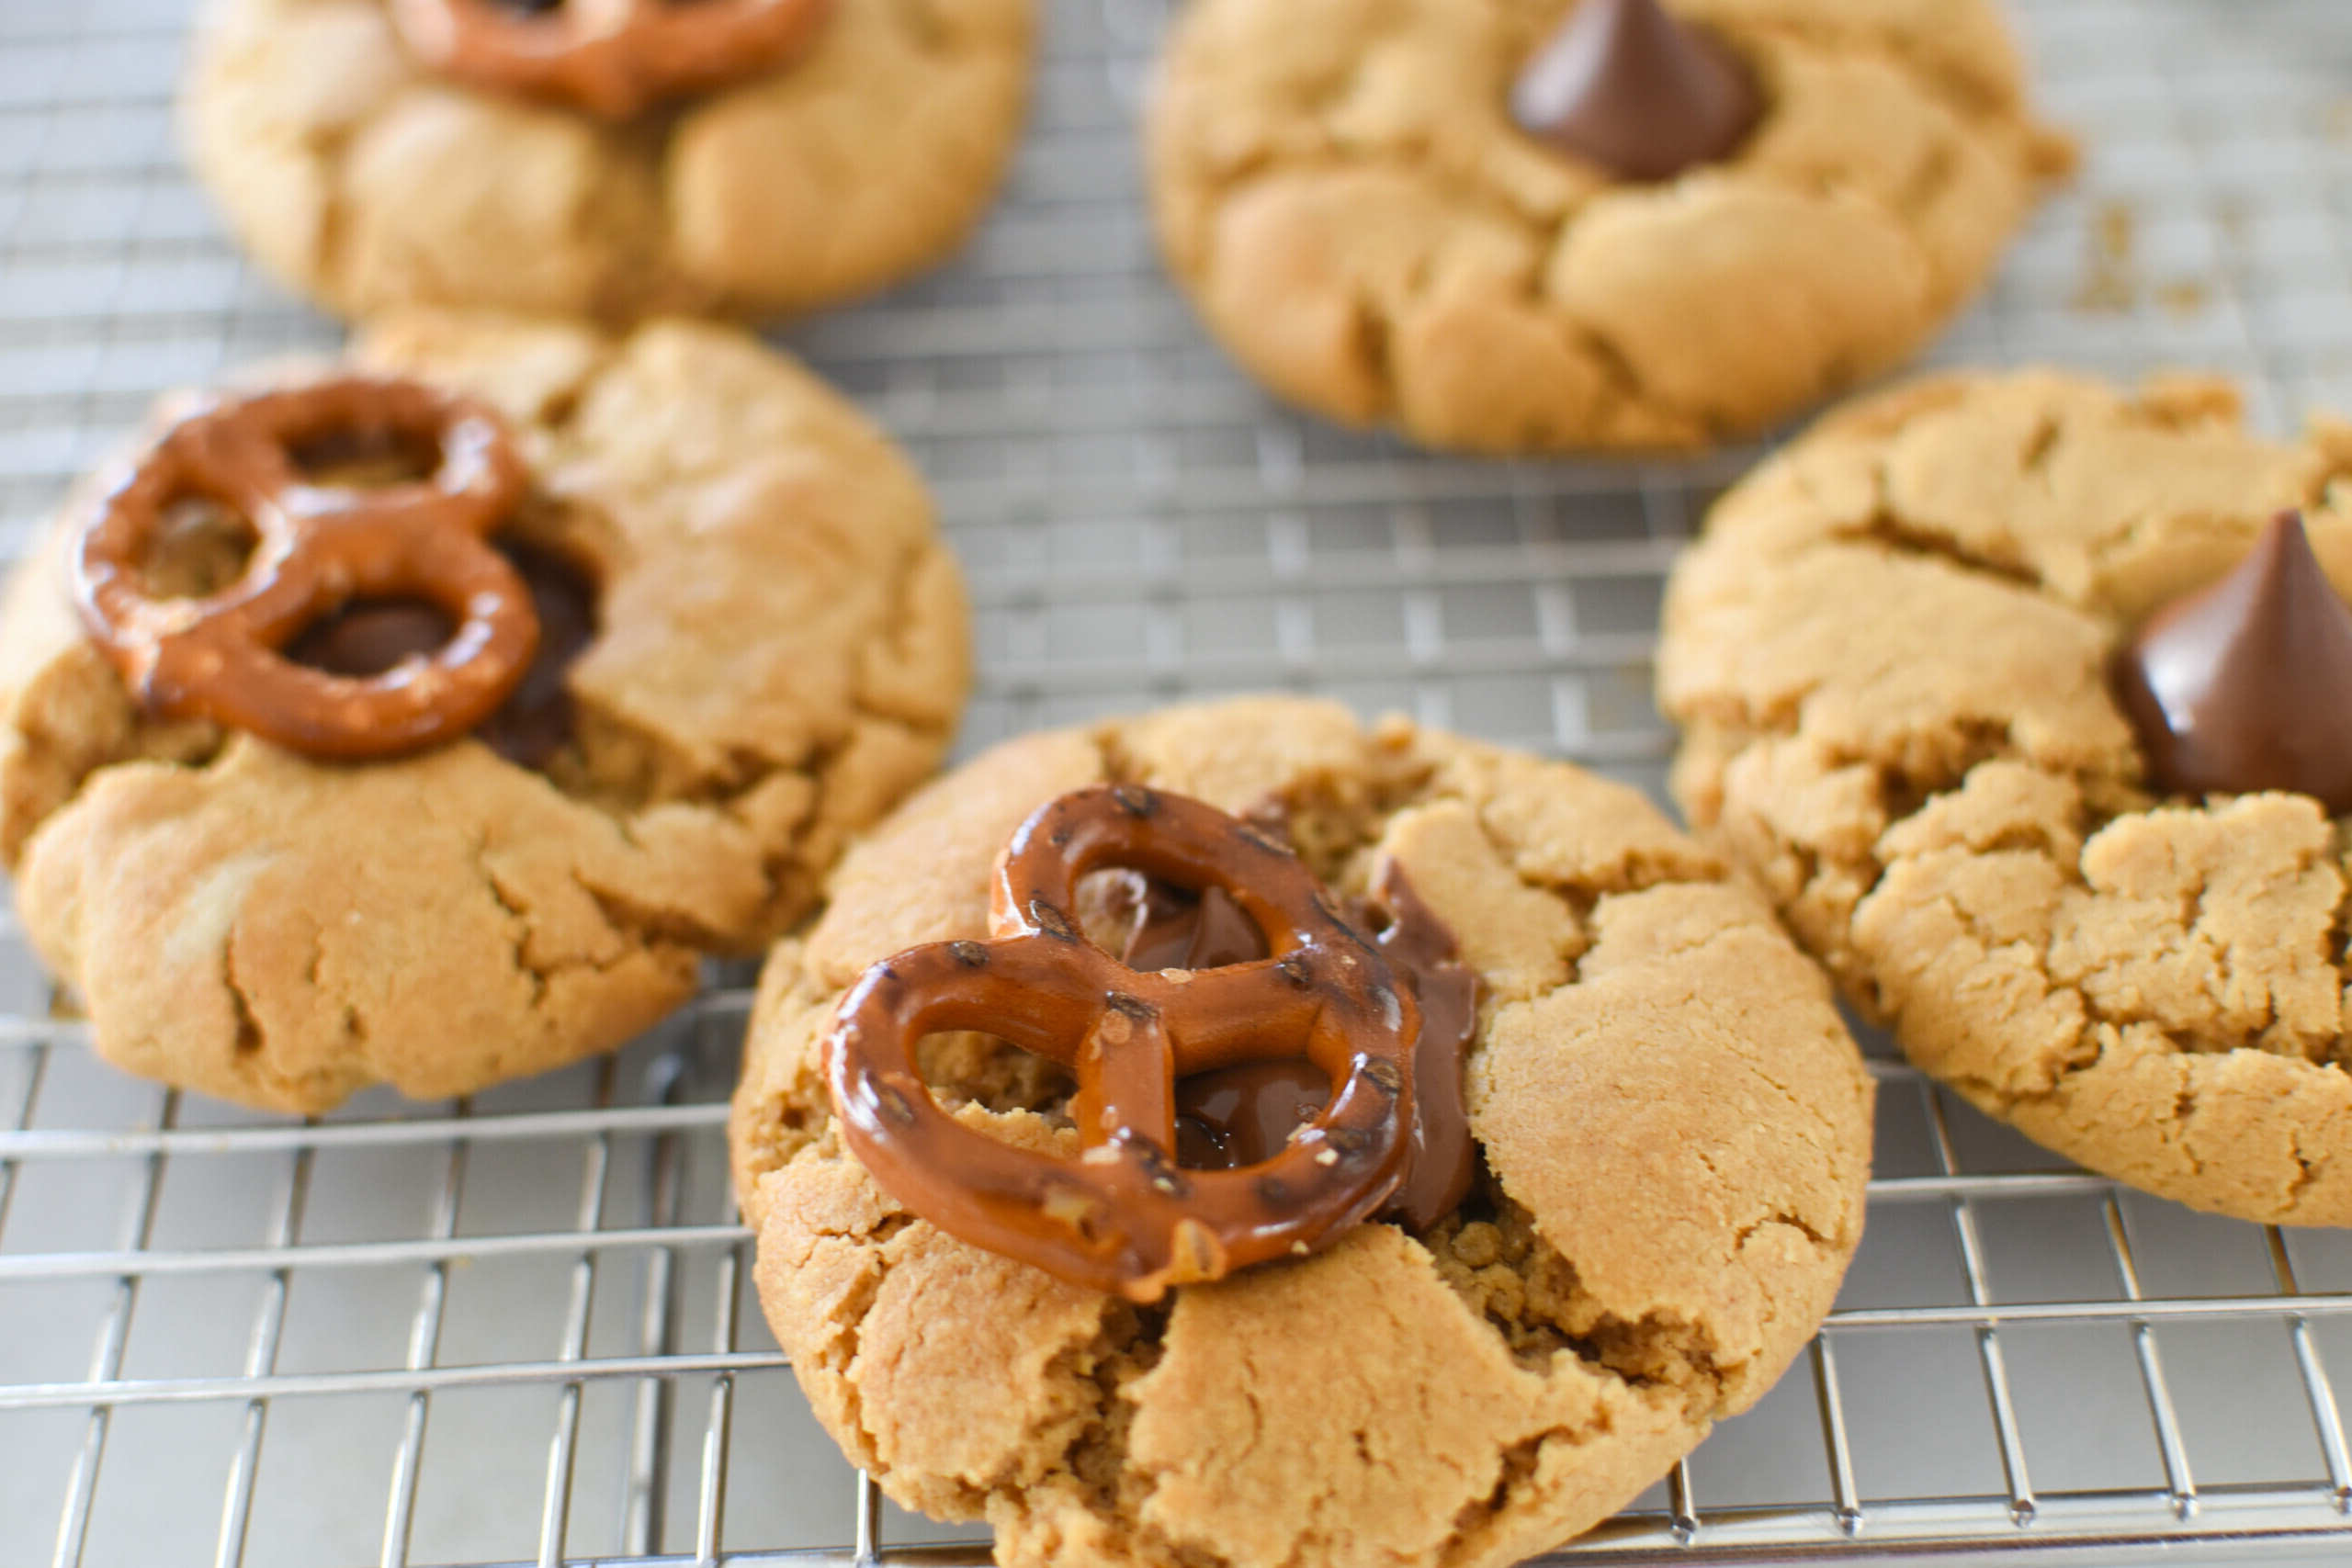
pixel 781 654
pixel 1340 187
pixel 1889 655
pixel 1674 1131
pixel 368 184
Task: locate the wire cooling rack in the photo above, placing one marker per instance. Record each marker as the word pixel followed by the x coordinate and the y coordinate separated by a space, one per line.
pixel 519 1329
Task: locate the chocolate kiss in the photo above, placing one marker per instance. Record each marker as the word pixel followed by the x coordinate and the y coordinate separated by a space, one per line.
pixel 1640 94
pixel 2247 685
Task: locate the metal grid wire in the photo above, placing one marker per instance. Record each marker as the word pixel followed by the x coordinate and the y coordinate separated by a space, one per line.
pixel 519 1328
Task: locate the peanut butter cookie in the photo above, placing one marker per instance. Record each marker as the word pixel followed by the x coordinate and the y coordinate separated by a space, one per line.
pixel 1671 1136
pixel 750 642
pixel 1454 217
pixel 370 177
pixel 1904 659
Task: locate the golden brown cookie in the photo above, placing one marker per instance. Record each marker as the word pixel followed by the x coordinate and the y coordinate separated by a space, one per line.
pixel 1891 656
pixel 1674 1131
pixel 370 183
pixel 1342 188
pixel 779 652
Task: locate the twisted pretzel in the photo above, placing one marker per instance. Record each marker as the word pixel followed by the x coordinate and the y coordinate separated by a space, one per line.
pixel 612 58
pixel 1121 1216
pixel 218 657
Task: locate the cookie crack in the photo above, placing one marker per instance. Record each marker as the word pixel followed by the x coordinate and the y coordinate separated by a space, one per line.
pixel 851 1330
pixel 1897 536
pixel 250 1037
pixel 2175 1130
pixel 636 930
pixel 1532 1297
pixel 2252 1011
pixel 2308 1170
pixel 1788 1219
pixel 517 923
pixel 1095 1460
pixel 2001 561
pixel 1515 1472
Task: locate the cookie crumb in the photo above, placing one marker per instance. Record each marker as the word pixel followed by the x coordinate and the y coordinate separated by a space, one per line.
pixel 1478 1243
pixel 2183 296
pixel 2112 279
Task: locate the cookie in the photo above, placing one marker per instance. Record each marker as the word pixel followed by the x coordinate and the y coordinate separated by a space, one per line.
pixel 1672 1132
pixel 368 181
pixel 767 647
pixel 1345 190
pixel 1895 656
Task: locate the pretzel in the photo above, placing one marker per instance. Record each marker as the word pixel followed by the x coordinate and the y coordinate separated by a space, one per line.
pixel 319 547
pixel 1121 1216
pixel 613 57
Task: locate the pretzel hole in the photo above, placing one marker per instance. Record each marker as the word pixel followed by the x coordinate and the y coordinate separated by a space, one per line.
pixel 1148 922
pixel 367 460
pixel 1233 1116
pixel 197 548
pixel 968 1067
pixel 371 637
pixel 1246 1114
pixel 367 638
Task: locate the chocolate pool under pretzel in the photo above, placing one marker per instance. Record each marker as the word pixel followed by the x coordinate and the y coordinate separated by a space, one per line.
pixel 613 57
pixel 1123 1216
pixel 319 547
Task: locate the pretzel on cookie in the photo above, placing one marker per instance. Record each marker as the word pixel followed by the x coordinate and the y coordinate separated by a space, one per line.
pixel 318 547
pixel 1121 1216
pixel 613 57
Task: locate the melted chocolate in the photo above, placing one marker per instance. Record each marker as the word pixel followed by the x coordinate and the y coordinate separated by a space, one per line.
pixel 1634 90
pixel 1445 1158
pixel 2247 684
pixel 1168 928
pixel 371 637
pixel 1117 1213
pixel 1244 1115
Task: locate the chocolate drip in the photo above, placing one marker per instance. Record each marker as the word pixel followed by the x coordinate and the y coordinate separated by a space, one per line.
pixel 534 723
pixel 1244 1115
pixel 1634 90
pixel 2247 684
pixel 1445 1158
pixel 536 720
